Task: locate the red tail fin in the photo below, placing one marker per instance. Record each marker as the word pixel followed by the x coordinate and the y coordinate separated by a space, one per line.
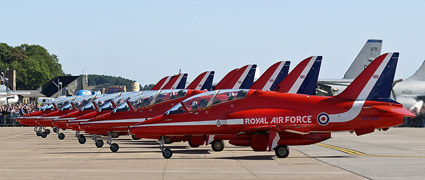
pixel 272 77
pixel 161 83
pixel 226 79
pixel 203 81
pixel 242 79
pixel 176 82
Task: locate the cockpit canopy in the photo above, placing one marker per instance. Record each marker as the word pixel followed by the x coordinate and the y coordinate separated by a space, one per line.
pixel 207 99
pixel 149 98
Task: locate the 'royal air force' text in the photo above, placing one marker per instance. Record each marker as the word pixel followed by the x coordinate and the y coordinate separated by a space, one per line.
pixel 279 120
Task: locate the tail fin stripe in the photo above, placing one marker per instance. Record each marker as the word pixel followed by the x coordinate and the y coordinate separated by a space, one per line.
pixel 177 81
pixel 165 82
pixel 203 81
pixel 296 86
pixel 372 81
pixel 242 77
pixel 273 77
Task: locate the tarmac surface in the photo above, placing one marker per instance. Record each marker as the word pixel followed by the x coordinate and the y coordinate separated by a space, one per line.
pixel 395 154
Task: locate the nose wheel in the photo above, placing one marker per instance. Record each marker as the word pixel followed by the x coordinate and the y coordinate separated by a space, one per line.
pixel 81 137
pixel 166 152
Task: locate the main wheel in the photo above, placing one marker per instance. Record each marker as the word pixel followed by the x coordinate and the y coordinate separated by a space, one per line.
pixel 114 147
pixel 134 137
pixel 47 131
pixel 55 130
pixel 43 134
pixel 192 146
pixel 167 153
pixel 82 139
pixel 61 136
pixel 38 133
pixel 99 143
pixel 217 145
pixel 115 135
pixel 282 151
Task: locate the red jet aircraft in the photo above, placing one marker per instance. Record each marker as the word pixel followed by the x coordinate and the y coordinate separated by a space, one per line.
pixel 271 120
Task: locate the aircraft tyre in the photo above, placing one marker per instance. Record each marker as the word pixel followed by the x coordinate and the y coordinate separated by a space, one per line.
pixel 217 145
pixel 115 135
pixel 43 134
pixel 167 153
pixel 61 136
pixel 47 131
pixel 114 147
pixel 134 137
pixel 99 143
pixel 282 151
pixel 38 133
pixel 191 145
pixel 82 139
pixel 55 130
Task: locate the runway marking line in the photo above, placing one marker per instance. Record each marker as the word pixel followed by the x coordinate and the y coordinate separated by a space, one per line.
pixel 354 152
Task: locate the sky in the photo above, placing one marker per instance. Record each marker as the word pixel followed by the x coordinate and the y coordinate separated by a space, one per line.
pixel 147 40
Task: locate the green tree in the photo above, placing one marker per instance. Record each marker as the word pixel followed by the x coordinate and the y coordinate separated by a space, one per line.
pixel 33 64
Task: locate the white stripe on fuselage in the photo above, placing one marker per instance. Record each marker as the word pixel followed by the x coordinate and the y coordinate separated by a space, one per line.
pixel 358 103
pixel 117 121
pixel 272 79
pixel 296 86
pixel 197 123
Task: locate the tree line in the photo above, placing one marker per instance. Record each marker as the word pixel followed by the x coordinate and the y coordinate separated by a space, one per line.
pixel 33 64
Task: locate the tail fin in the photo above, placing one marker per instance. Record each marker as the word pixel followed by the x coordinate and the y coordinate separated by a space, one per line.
pixel 419 75
pixel 161 83
pixel 272 77
pixel 375 82
pixel 369 52
pixel 203 81
pixel 303 78
pixel 243 78
pixel 226 79
pixel 176 82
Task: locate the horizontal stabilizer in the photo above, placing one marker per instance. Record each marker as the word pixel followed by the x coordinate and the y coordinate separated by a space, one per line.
pixel 396 110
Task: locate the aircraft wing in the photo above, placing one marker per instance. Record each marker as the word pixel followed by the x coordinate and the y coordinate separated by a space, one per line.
pixel 301 129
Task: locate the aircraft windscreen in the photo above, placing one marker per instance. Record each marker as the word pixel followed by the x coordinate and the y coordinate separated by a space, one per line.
pixel 49 107
pixel 177 109
pixel 67 107
pixel 123 107
pixel 166 95
pixel 199 101
pixel 89 106
pixel 229 95
pixel 143 100
pixel 82 101
pixel 106 107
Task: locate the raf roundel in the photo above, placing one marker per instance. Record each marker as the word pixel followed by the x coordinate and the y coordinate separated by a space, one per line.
pixel 323 119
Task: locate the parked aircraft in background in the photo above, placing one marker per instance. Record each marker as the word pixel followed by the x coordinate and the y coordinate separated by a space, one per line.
pixel 411 91
pixel 367 54
pixel 9 97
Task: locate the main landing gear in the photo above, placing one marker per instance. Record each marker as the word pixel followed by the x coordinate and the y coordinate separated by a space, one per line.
pixel 217 145
pixel 166 152
pixel 281 151
pixel 41 131
pixel 61 136
pixel 113 146
pixel 81 138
